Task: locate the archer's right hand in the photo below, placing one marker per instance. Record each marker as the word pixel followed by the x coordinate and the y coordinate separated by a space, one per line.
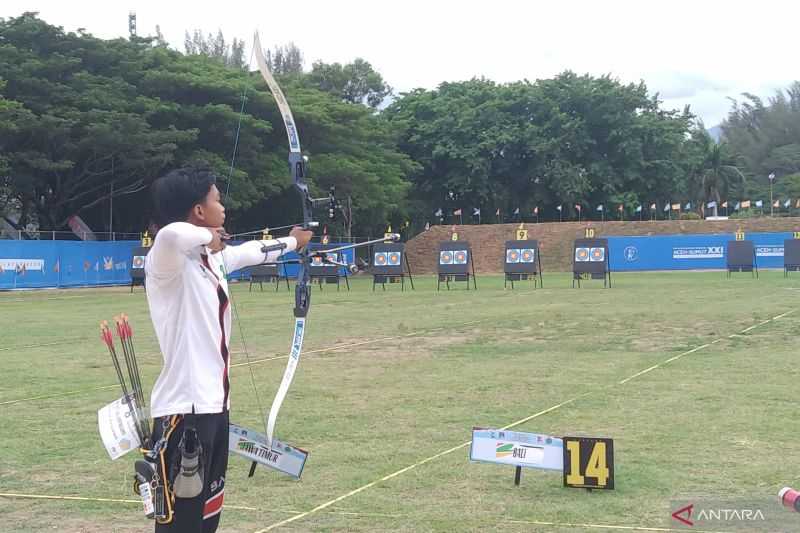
pixel 218 238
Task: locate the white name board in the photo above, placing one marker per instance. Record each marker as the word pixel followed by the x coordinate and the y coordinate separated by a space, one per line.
pixel 253 446
pixel 117 428
pixel 517 449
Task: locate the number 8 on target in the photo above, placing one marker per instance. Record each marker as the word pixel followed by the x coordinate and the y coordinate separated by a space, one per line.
pixel 588 463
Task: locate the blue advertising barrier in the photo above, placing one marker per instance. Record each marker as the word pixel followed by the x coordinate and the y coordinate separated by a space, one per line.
pixel 52 264
pixel 689 252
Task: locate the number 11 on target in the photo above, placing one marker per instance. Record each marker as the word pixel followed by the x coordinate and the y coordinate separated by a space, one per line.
pixel 588 462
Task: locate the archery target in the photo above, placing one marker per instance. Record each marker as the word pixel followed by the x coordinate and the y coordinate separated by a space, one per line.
pixel 316 261
pixel 394 258
pixel 380 259
pixel 527 255
pixel 446 257
pixel 138 261
pixel 512 255
pixel 460 257
pixel 332 257
pixel 581 254
pixel 597 254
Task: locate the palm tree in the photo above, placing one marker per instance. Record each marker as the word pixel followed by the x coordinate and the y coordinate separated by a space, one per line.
pixel 716 175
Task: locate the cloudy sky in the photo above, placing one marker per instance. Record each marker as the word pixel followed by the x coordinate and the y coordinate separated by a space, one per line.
pixel 698 52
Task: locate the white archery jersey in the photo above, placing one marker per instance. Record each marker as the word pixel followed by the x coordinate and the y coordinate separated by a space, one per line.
pixel 188 298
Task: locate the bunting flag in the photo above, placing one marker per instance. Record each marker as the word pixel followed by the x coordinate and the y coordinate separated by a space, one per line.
pixel 711 205
pixel 639 209
pixel 725 204
pixel 737 206
pixel 620 208
pixel 787 204
pixel 745 204
pixel 559 207
pixel 653 206
pixel 457 212
pixel 688 206
pixel 666 207
pixel 497 213
pixel 536 210
pixel 776 203
pixel 578 207
pixel 516 211
pixel 797 204
pixel 599 207
pixel 438 213
pixel 476 212
pixel 759 203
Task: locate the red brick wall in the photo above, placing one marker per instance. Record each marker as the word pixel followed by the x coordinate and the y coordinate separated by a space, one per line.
pixel 555 238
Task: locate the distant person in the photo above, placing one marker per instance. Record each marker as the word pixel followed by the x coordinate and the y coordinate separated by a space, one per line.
pixel 187 293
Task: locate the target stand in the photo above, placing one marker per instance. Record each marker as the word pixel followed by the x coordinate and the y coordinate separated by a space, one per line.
pixel 390 265
pixel 523 262
pixel 742 257
pixel 137 266
pixel 791 256
pixel 455 264
pixel 269 273
pixel 327 273
pixel 590 261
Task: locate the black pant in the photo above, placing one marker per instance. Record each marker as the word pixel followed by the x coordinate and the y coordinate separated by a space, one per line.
pixel 202 513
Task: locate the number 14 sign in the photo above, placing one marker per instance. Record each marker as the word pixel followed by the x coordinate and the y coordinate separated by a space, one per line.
pixel 588 462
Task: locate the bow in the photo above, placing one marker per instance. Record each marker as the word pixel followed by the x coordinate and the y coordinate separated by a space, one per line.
pixel 302 291
pixel 302 300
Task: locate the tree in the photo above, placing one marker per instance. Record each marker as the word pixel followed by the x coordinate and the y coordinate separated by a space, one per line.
pixel 559 141
pixel 356 82
pixel 716 176
pixel 285 60
pixel 766 136
pixel 231 55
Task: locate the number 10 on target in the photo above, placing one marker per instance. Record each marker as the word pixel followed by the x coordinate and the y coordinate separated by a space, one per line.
pixel 588 463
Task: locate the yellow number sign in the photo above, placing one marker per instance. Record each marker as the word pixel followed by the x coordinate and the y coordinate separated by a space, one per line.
pixel 589 233
pixel 588 462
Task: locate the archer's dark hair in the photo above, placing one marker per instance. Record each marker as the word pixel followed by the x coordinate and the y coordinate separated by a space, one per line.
pixel 175 194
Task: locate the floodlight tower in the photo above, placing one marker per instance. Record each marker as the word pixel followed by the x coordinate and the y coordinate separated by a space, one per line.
pixel 132 24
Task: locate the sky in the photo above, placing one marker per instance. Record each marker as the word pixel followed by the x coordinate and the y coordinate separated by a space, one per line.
pixel 699 53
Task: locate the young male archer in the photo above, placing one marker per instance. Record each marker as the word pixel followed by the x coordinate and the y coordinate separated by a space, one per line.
pixel 187 294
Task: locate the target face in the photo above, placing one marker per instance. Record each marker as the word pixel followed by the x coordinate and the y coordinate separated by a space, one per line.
pixel 394 258
pixel 138 261
pixel 460 257
pixel 581 254
pixel 446 257
pixel 316 261
pixel 527 255
pixel 597 254
pixel 380 259
pixel 332 257
pixel 512 255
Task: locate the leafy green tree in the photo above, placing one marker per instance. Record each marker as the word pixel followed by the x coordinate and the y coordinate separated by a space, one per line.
pixel 355 82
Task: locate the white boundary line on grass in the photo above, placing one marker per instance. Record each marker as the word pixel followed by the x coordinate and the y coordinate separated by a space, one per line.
pixel 309 352
pixel 139 502
pixel 605 526
pixel 518 422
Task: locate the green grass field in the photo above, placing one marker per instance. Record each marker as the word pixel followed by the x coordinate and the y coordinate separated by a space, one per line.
pixel 412 374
